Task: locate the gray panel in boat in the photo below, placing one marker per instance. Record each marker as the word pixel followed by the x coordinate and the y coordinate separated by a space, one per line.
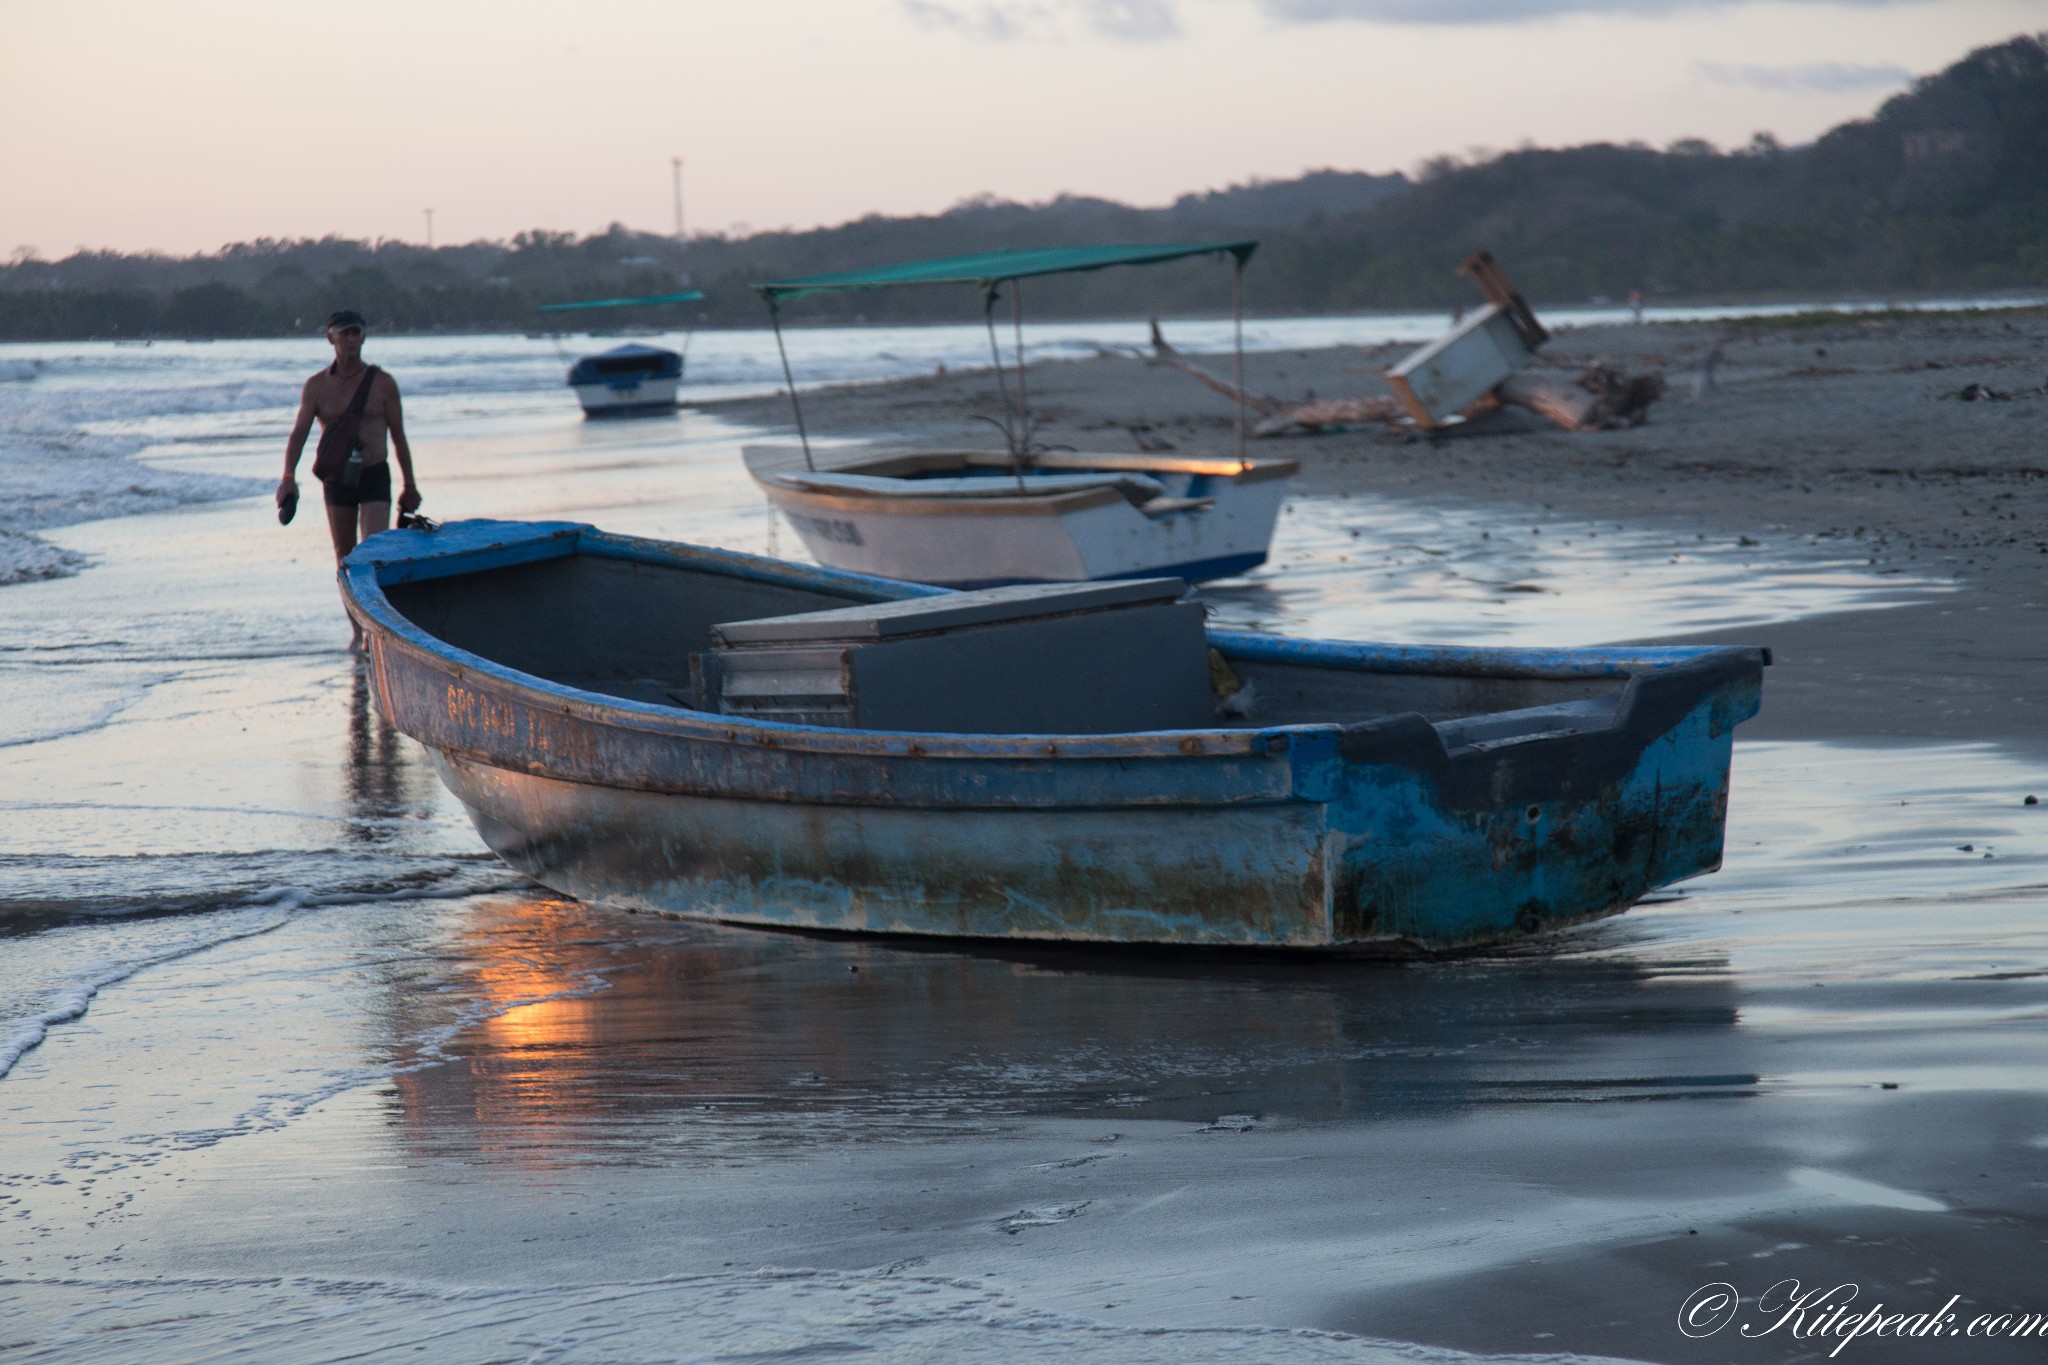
pixel 1032 660
pixel 919 615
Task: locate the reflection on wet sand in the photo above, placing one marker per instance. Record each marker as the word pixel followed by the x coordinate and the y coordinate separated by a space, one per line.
pixel 386 780
pixel 1364 567
pixel 603 1036
pixel 580 1033
pixel 537 1018
pixel 383 778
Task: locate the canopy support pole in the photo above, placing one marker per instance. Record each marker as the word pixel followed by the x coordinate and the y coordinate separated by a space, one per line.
pixel 1017 349
pixel 775 321
pixel 1237 351
pixel 995 354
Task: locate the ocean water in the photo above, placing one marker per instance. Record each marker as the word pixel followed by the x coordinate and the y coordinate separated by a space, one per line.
pixel 290 1068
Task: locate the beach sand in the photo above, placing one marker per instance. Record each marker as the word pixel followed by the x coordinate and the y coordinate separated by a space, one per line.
pixel 328 1083
pixel 1847 436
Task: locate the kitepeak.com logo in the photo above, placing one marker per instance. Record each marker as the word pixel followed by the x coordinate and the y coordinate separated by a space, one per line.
pixel 1789 1310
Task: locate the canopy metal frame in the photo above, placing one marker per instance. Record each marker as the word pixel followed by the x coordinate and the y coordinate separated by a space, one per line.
pixel 681 296
pixel 685 296
pixel 991 271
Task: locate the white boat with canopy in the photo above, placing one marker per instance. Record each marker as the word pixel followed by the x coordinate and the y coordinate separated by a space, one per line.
pixel 1025 514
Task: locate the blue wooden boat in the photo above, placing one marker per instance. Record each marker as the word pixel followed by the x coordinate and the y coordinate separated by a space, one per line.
pixel 1375 797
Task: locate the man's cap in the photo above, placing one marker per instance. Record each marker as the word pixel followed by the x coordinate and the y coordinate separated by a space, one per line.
pixel 345 317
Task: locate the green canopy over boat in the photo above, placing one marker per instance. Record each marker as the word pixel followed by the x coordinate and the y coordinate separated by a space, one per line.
pixel 989 268
pixel 684 297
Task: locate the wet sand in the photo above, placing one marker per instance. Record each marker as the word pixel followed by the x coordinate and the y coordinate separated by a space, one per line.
pixel 1848 437
pixel 358 1094
pixel 498 1122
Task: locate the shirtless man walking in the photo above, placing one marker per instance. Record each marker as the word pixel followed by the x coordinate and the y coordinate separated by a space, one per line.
pixel 365 508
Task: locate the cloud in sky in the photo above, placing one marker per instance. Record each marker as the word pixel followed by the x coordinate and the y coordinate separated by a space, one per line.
pixel 1155 98
pixel 996 23
pixel 1133 18
pixel 1824 78
pixel 1150 20
pixel 1004 21
pixel 1489 11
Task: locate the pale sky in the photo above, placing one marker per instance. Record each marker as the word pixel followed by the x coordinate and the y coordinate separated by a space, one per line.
pixel 136 124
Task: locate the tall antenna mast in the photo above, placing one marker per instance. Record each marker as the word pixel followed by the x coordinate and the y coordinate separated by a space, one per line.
pixel 676 164
pixel 430 228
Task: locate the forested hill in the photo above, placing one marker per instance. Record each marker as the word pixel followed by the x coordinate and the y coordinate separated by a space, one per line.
pixel 1944 188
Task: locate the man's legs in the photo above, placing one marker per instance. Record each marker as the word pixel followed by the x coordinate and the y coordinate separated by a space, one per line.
pixel 342 522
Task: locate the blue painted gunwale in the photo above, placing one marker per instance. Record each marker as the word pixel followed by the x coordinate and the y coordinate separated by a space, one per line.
pixel 1460 869
pixel 688 751
pixel 474 546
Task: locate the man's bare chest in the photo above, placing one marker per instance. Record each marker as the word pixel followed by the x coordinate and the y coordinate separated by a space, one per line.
pixel 333 394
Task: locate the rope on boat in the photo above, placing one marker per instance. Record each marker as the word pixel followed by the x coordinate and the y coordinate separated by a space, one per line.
pixel 1011 437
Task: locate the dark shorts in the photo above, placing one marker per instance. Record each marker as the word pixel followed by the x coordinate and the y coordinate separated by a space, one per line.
pixel 374 486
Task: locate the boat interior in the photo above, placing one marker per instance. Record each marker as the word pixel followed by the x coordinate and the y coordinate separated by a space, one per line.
pixel 1139 490
pixel 639 631
pixel 1150 482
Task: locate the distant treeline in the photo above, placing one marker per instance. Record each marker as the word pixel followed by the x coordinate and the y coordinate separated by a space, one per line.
pixel 1944 188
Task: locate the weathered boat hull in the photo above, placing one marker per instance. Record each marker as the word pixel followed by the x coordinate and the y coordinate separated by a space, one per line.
pixel 1166 875
pixel 1394 834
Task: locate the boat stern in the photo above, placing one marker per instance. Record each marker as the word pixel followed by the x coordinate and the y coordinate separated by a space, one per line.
pixel 1450 835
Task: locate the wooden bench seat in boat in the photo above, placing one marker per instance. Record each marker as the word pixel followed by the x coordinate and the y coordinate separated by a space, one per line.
pixel 1096 658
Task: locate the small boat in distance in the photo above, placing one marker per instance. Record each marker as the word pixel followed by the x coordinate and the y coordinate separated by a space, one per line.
pixel 969 519
pixel 800 747
pixel 630 380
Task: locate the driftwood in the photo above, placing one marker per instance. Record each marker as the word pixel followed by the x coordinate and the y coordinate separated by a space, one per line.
pixel 1601 399
pixel 1163 354
pixel 1562 401
pixel 1324 413
pixel 1277 417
